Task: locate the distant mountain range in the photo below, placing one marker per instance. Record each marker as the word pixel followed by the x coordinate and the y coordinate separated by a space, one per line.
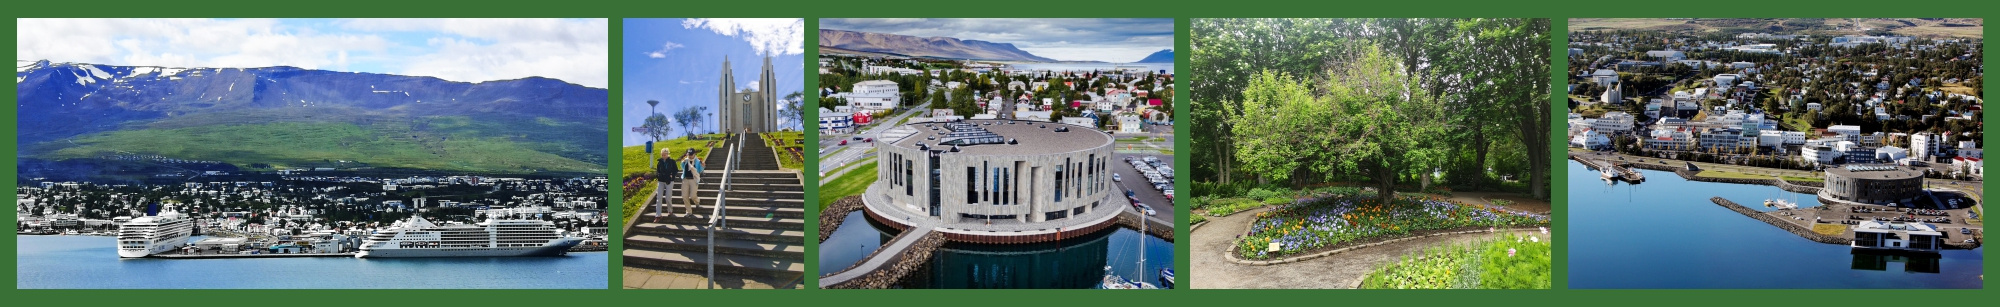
pixel 1163 56
pixel 289 117
pixel 934 47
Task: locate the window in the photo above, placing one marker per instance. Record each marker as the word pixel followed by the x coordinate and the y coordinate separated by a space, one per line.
pixel 971 185
pixel 1059 182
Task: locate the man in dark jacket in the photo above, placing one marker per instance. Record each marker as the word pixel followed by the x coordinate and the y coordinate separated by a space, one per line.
pixel 666 172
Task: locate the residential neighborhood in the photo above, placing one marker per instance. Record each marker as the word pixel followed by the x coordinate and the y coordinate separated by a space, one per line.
pixel 1804 99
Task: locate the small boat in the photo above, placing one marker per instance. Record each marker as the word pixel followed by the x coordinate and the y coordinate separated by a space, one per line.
pixel 1167 276
pixel 1113 281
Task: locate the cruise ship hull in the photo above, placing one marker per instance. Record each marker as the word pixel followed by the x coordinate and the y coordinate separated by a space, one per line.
pixel 554 248
pixel 155 248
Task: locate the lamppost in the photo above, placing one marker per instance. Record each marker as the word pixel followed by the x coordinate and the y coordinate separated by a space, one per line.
pixel 653 108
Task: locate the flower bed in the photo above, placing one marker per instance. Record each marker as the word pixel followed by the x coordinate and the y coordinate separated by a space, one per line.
pixel 1509 262
pixel 1310 225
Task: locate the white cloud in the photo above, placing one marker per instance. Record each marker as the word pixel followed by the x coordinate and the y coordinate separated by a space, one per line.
pixel 185 43
pixel 771 36
pixel 501 49
pixel 470 50
pixel 662 53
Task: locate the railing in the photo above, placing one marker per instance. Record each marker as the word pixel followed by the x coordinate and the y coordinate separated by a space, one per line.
pixel 715 217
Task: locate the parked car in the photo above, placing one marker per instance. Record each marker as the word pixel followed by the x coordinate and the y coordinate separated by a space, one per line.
pixel 1115 177
pixel 857 138
pixel 1144 208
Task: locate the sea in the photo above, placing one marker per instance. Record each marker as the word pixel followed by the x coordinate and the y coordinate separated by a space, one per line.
pixel 1665 233
pixel 1075 263
pixel 91 262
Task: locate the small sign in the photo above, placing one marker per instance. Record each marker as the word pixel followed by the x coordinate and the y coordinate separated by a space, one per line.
pixel 1275 247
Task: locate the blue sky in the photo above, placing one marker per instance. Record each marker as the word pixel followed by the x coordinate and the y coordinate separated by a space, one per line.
pixel 679 62
pixel 468 50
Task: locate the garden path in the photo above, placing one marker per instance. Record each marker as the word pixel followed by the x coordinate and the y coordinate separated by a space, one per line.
pixel 1211 270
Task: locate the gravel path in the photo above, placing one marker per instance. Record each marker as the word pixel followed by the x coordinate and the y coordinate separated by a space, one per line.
pixel 1213 271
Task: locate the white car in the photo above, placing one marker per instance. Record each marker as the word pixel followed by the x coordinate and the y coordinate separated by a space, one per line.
pixel 1114 177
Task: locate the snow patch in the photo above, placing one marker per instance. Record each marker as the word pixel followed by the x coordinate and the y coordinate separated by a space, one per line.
pixel 98 73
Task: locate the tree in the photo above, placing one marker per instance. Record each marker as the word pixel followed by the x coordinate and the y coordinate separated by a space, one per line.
pixel 657 127
pixel 690 118
pixel 792 109
pixel 1364 119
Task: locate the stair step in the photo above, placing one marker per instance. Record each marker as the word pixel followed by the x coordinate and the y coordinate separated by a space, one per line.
pixel 734 221
pixel 788 236
pixel 700 245
pixel 725 263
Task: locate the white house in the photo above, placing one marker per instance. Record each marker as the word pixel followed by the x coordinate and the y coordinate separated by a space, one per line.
pixel 1891 153
pixel 835 122
pixel 1613 122
pixel 1080 121
pixel 875 95
pixel 1131 123
pixel 1591 140
pixel 1604 77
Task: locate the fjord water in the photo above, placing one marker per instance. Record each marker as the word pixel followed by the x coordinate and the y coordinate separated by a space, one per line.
pixel 1666 233
pixel 91 262
pixel 1069 264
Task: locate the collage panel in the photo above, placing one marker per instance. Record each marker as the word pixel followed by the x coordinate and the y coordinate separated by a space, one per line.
pixel 996 153
pixel 1837 153
pixel 713 155
pixel 311 154
pixel 1370 154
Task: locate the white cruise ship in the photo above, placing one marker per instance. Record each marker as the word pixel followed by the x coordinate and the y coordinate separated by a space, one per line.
pixel 149 235
pixel 418 237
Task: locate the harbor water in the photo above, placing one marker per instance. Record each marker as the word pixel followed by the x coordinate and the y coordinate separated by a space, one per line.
pixel 1666 233
pixel 1076 263
pixel 91 262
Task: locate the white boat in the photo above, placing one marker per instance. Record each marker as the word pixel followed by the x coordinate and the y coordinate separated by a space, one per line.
pixel 418 237
pixel 153 234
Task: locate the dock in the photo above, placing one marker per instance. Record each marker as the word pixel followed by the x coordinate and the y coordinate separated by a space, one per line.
pixel 1624 173
pixel 245 256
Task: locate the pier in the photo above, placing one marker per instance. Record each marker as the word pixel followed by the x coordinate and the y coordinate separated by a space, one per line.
pixel 248 256
pixel 1818 224
pixel 1624 174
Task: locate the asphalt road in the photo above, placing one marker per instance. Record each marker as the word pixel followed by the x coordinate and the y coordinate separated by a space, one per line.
pixel 1132 180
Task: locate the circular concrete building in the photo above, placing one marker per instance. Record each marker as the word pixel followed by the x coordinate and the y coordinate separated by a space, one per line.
pixel 995 178
pixel 1874 184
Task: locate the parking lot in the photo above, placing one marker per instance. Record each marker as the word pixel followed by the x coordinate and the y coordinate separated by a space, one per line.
pixel 1132 180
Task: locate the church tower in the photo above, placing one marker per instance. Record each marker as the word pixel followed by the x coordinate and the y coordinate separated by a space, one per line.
pixel 753 109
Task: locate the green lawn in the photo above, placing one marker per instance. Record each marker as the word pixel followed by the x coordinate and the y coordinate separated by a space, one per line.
pixel 781 141
pixel 636 160
pixel 851 183
pixel 634 201
pixel 1733 175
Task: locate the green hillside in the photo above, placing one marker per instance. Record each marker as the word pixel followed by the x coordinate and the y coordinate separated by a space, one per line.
pixel 441 143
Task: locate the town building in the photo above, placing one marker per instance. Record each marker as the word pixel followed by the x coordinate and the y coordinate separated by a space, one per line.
pixel 1874 183
pixel 754 110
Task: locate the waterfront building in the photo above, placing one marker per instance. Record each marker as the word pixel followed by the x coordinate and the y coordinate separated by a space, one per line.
pixel 996 171
pixel 1896 236
pixel 1874 183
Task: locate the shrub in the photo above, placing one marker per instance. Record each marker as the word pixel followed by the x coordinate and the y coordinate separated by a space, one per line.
pixel 1277 201
pixel 1261 193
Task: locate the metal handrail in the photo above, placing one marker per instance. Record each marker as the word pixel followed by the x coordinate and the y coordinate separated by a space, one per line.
pixel 715 219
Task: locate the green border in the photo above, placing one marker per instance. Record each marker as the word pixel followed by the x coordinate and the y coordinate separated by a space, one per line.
pixel 1181 9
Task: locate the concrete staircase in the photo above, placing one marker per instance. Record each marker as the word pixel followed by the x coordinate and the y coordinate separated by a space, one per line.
pixel 763 236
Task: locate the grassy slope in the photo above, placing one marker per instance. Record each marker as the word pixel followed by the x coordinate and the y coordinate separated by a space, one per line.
pixel 636 161
pixel 303 144
pixel 851 183
pixel 779 141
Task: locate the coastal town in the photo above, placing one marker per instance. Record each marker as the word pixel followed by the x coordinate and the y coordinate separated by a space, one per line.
pixel 1868 129
pixel 307 212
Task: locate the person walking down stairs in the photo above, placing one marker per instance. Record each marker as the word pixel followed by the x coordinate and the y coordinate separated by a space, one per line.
pixel 665 173
pixel 691 168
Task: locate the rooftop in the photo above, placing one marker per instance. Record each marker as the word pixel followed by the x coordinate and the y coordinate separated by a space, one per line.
pixel 1028 137
pixel 1875 171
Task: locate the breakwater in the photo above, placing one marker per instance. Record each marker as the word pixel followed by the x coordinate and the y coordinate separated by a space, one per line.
pixel 1781 223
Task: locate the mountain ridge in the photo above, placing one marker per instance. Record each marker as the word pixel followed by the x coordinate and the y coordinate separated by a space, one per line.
pixel 69 107
pixel 937 46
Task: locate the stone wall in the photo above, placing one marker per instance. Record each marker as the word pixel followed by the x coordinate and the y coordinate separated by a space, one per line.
pixel 1154 228
pixel 1788 226
pixel 829 219
pixel 911 260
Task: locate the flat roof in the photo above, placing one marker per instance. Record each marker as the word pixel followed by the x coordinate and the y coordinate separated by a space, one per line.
pixel 1033 137
pixel 1875 171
